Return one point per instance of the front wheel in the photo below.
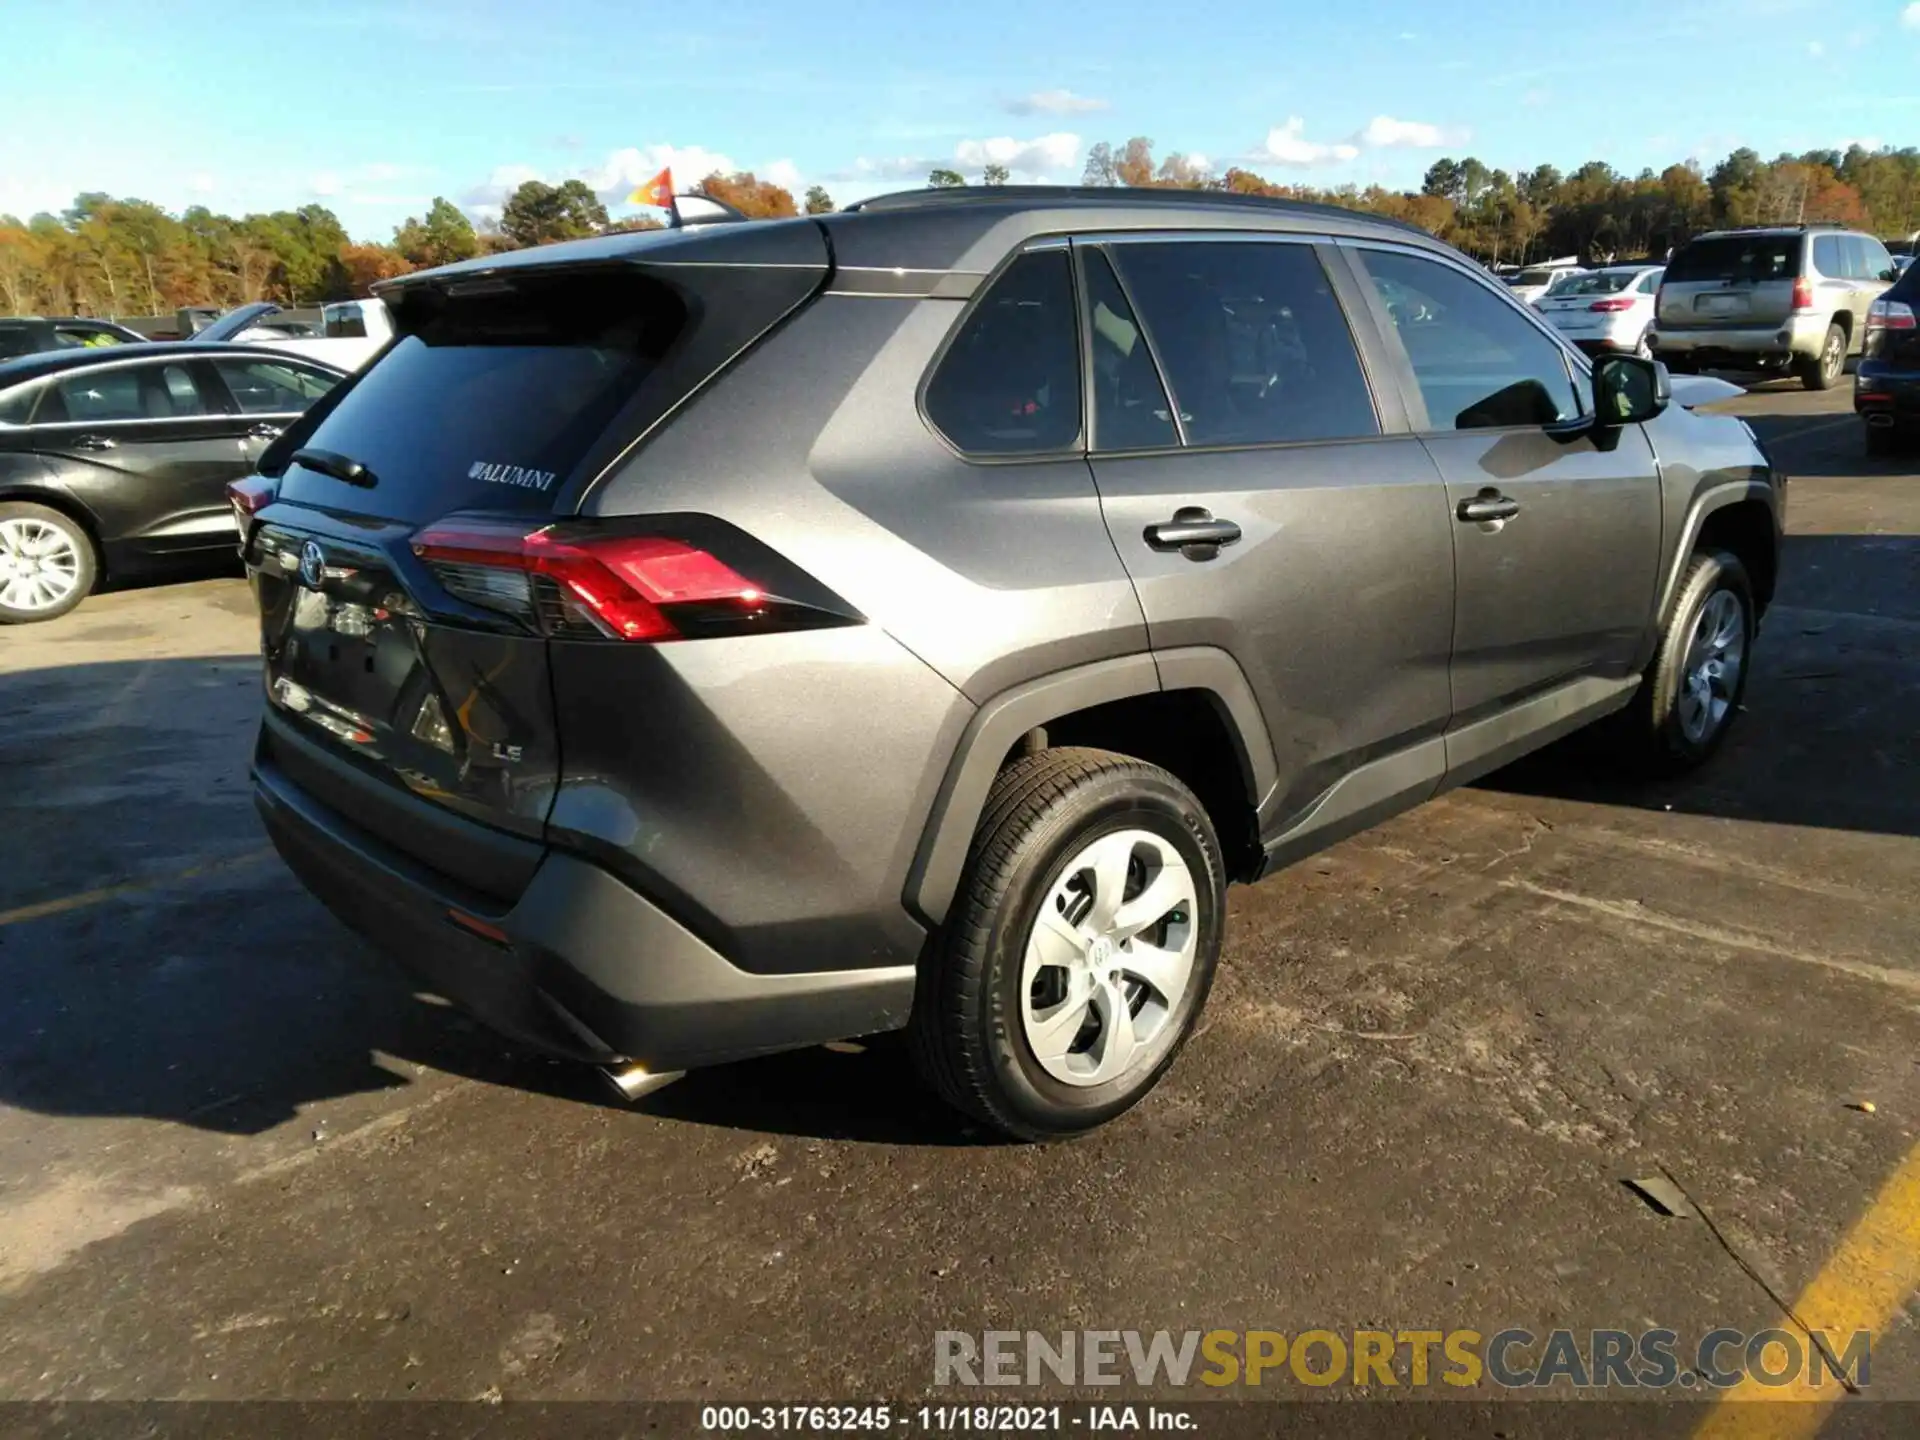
(1692, 691)
(47, 563)
(1080, 949)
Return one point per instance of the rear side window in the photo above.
(17, 404)
(1255, 346)
(493, 397)
(1130, 407)
(1876, 263)
(1830, 256)
(1009, 383)
(1479, 363)
(1736, 257)
(272, 387)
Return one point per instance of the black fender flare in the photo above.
(934, 876)
(1715, 497)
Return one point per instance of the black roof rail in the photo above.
(1038, 195)
(1779, 226)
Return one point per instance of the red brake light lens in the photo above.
(1803, 294)
(249, 495)
(622, 587)
(1890, 315)
(1618, 302)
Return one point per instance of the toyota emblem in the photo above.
(313, 564)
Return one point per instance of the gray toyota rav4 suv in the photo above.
(690, 645)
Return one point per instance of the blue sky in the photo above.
(374, 106)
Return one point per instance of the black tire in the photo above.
(86, 563)
(1823, 371)
(967, 1035)
(1649, 735)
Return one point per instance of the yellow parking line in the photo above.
(41, 909)
(1865, 1284)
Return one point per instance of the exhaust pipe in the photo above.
(1880, 420)
(636, 1082)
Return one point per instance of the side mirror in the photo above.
(1628, 390)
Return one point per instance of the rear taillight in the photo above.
(1618, 302)
(1803, 294)
(249, 496)
(1889, 315)
(581, 584)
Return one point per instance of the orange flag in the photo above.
(657, 191)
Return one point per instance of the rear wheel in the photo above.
(47, 564)
(1692, 691)
(1080, 948)
(1643, 347)
(1822, 371)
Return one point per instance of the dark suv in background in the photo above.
(1790, 297)
(685, 646)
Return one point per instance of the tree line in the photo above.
(1595, 213)
(105, 256)
(108, 256)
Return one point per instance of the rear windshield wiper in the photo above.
(340, 467)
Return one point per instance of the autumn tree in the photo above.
(539, 214)
(819, 202)
(441, 237)
(364, 266)
(754, 198)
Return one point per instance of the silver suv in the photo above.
(688, 645)
(1789, 296)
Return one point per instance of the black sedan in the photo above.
(31, 334)
(1886, 384)
(114, 462)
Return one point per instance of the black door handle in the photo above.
(1193, 532)
(93, 442)
(1488, 505)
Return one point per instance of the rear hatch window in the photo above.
(493, 396)
(1736, 259)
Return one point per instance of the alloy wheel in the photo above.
(1710, 678)
(39, 564)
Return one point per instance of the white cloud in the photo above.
(785, 174)
(487, 197)
(1408, 35)
(1535, 98)
(1910, 17)
(202, 184)
(894, 167)
(1027, 159)
(617, 176)
(1384, 132)
(1287, 145)
(324, 184)
(1054, 102)
(1816, 49)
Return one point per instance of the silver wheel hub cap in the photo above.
(1711, 674)
(1109, 957)
(39, 566)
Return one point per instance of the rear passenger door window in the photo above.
(1477, 361)
(1830, 258)
(1009, 383)
(124, 392)
(1254, 346)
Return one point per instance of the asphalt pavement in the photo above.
(240, 1157)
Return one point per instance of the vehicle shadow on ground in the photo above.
(213, 991)
(1826, 738)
